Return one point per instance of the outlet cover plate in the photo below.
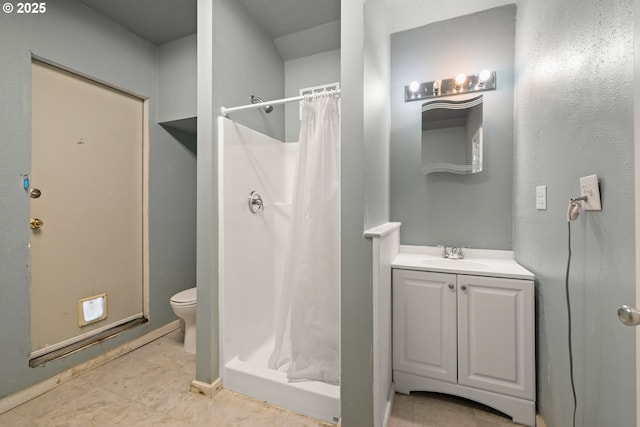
(541, 197)
(589, 187)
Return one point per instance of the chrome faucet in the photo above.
(451, 253)
(456, 253)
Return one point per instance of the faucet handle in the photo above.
(460, 254)
(445, 254)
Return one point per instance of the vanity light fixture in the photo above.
(462, 83)
(460, 79)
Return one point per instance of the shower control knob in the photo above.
(256, 204)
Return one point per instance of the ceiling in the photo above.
(282, 17)
(158, 21)
(161, 21)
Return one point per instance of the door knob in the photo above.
(36, 223)
(629, 315)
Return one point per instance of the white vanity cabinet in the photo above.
(425, 325)
(466, 335)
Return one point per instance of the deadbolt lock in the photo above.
(35, 193)
(36, 223)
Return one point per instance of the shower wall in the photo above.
(251, 244)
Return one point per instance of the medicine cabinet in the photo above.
(452, 136)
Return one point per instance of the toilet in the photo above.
(184, 306)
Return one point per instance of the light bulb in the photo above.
(414, 86)
(460, 78)
(484, 75)
(436, 87)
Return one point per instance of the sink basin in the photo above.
(454, 264)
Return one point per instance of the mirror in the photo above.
(452, 136)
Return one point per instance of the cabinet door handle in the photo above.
(451, 286)
(463, 287)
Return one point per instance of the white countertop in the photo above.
(476, 262)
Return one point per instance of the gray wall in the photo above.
(246, 63)
(308, 71)
(407, 14)
(80, 39)
(235, 60)
(568, 126)
(363, 31)
(207, 331)
(177, 78)
(377, 117)
(445, 208)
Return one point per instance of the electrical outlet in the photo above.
(541, 197)
(589, 187)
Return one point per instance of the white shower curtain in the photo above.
(308, 323)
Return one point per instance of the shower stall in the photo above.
(256, 185)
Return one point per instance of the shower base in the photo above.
(252, 377)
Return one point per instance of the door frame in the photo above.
(636, 145)
(145, 171)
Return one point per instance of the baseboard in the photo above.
(389, 406)
(42, 387)
(206, 389)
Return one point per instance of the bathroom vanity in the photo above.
(465, 327)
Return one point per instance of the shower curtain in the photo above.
(308, 317)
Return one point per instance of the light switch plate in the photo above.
(589, 187)
(541, 197)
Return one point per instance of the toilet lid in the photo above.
(187, 296)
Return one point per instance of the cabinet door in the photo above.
(496, 335)
(424, 324)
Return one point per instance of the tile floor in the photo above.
(150, 387)
(438, 410)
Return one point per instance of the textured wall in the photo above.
(74, 36)
(574, 117)
(445, 208)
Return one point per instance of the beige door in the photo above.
(87, 164)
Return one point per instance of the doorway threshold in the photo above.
(86, 342)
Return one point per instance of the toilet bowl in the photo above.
(184, 306)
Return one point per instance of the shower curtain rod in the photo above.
(224, 111)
